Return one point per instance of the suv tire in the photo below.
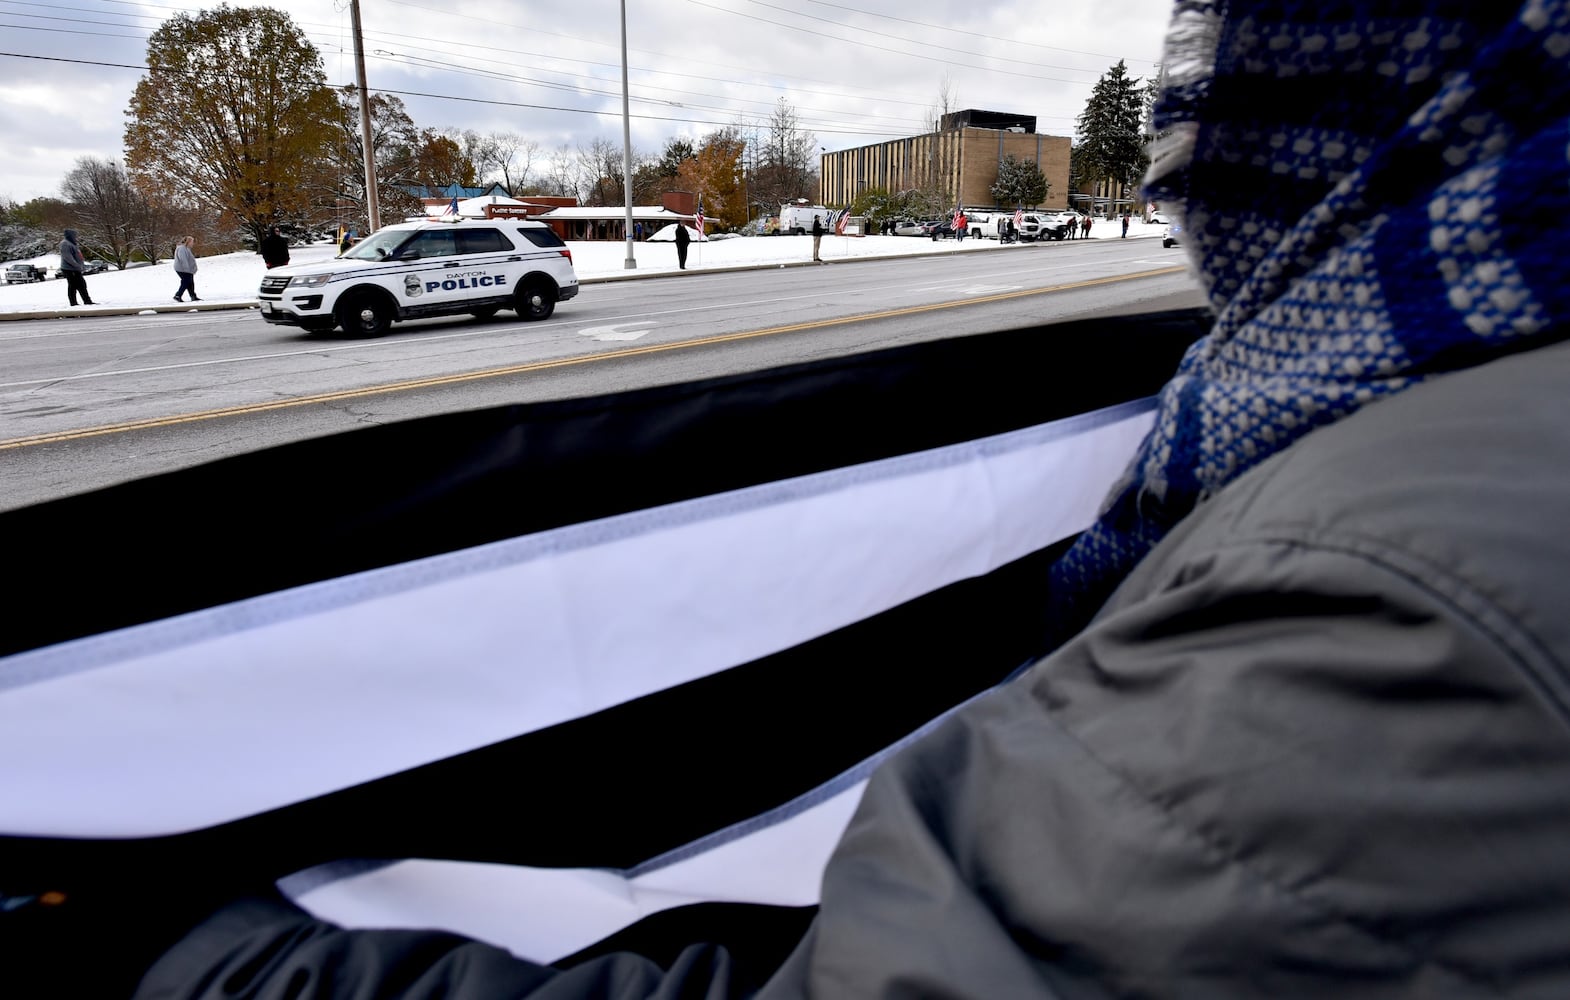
(536, 299)
(365, 314)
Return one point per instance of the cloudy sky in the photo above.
(856, 71)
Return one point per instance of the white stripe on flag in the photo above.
(545, 914)
(225, 713)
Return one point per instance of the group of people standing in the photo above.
(274, 248)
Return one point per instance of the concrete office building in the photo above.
(961, 158)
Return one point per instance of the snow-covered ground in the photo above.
(233, 278)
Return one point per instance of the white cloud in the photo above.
(857, 71)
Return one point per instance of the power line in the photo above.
(466, 100)
(883, 48)
(902, 38)
(974, 34)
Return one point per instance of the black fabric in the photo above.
(619, 787)
(328, 507)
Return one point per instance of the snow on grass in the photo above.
(233, 278)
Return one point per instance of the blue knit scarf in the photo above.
(1370, 197)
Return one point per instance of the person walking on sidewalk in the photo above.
(185, 267)
(71, 265)
(1084, 228)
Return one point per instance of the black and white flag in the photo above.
(562, 674)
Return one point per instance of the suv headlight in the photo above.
(310, 281)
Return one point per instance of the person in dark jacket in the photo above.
(817, 238)
(1306, 731)
(275, 249)
(683, 237)
(71, 265)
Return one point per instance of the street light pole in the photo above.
(626, 144)
(372, 207)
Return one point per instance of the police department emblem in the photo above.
(412, 286)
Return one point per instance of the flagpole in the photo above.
(631, 262)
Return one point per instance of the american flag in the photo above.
(839, 222)
(452, 207)
(1019, 217)
(697, 220)
(954, 222)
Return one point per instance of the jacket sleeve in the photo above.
(1283, 772)
(264, 949)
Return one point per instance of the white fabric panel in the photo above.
(545, 914)
(224, 713)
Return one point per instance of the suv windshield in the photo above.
(385, 241)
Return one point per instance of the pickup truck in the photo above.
(18, 274)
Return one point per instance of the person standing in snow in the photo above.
(683, 237)
(275, 249)
(71, 265)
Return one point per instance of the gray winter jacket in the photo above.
(184, 260)
(70, 253)
(1316, 745)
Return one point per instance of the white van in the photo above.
(796, 219)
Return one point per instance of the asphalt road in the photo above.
(92, 401)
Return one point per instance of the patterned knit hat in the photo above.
(1370, 197)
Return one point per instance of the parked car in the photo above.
(93, 267)
(1172, 235)
(18, 274)
(941, 229)
(910, 227)
(1058, 224)
(1046, 225)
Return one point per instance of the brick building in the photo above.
(961, 157)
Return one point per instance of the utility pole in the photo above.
(372, 202)
(631, 264)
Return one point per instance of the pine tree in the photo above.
(1020, 183)
(234, 112)
(1112, 131)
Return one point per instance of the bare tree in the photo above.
(559, 177)
(599, 172)
(511, 156)
(787, 163)
(110, 211)
(945, 103)
(394, 139)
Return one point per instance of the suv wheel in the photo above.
(536, 299)
(365, 314)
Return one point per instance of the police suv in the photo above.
(425, 268)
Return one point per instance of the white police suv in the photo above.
(425, 268)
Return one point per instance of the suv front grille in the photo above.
(275, 284)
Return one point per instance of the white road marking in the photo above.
(989, 289)
(616, 331)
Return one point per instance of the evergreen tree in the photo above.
(1112, 130)
(234, 112)
(1020, 183)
